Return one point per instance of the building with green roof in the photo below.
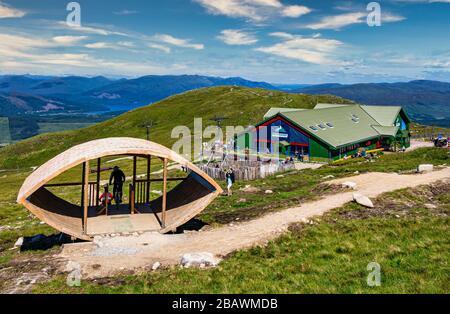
(329, 131)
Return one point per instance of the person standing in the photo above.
(230, 177)
(117, 178)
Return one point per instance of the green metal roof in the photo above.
(384, 115)
(386, 130)
(326, 106)
(338, 126)
(274, 111)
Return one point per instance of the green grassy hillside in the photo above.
(242, 106)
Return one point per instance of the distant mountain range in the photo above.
(427, 102)
(25, 94)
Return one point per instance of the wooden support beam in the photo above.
(132, 199)
(85, 195)
(106, 199)
(97, 195)
(161, 180)
(164, 200)
(83, 180)
(134, 170)
(147, 192)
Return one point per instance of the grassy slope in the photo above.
(243, 106)
(331, 255)
(296, 187)
(303, 261)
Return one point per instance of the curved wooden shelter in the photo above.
(164, 214)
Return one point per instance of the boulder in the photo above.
(430, 206)
(269, 192)
(198, 259)
(363, 200)
(250, 189)
(328, 177)
(19, 242)
(425, 168)
(349, 185)
(156, 266)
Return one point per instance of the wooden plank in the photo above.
(132, 198)
(49, 212)
(161, 180)
(83, 178)
(85, 195)
(134, 170)
(147, 192)
(106, 199)
(52, 185)
(97, 202)
(164, 200)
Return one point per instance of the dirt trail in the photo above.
(111, 255)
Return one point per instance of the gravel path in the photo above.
(138, 252)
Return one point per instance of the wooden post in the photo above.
(164, 200)
(83, 179)
(147, 192)
(134, 170)
(106, 199)
(85, 195)
(132, 200)
(97, 202)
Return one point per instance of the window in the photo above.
(355, 118)
(330, 125)
(312, 127)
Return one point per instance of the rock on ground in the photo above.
(250, 189)
(363, 200)
(156, 266)
(349, 185)
(199, 259)
(425, 168)
(19, 242)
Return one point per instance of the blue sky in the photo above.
(279, 41)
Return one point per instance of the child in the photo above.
(230, 181)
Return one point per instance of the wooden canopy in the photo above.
(164, 214)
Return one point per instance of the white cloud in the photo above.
(125, 12)
(22, 54)
(308, 49)
(159, 47)
(282, 35)
(253, 10)
(127, 44)
(8, 12)
(237, 37)
(105, 45)
(295, 11)
(89, 29)
(339, 21)
(184, 43)
(100, 45)
(390, 18)
(231, 8)
(68, 40)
